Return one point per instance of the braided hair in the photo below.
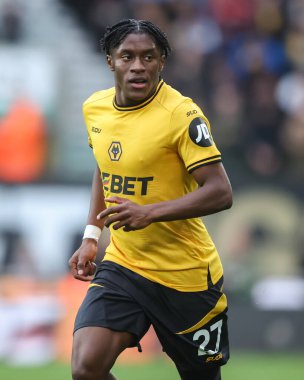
(114, 35)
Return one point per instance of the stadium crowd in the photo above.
(243, 62)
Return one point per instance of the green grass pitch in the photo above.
(247, 366)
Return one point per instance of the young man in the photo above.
(158, 171)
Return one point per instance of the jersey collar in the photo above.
(141, 105)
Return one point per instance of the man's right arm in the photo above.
(97, 200)
(82, 262)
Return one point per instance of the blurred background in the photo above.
(242, 61)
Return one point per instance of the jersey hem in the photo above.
(197, 288)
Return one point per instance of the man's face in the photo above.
(137, 63)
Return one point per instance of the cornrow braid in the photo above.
(114, 35)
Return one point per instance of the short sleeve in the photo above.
(191, 135)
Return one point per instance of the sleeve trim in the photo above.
(194, 164)
(205, 164)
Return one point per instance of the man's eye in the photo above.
(126, 57)
(148, 57)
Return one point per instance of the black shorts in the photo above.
(191, 326)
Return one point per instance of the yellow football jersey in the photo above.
(146, 153)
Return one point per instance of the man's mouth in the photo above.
(138, 82)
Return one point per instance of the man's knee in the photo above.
(85, 372)
(95, 350)
(82, 373)
(86, 366)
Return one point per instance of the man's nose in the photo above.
(137, 65)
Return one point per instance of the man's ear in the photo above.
(110, 62)
(162, 63)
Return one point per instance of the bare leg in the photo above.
(95, 350)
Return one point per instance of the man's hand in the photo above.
(126, 214)
(82, 262)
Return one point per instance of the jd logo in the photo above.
(115, 151)
(199, 132)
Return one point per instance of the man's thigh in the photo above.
(111, 307)
(192, 328)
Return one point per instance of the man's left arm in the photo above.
(214, 194)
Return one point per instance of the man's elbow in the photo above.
(228, 202)
(226, 198)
